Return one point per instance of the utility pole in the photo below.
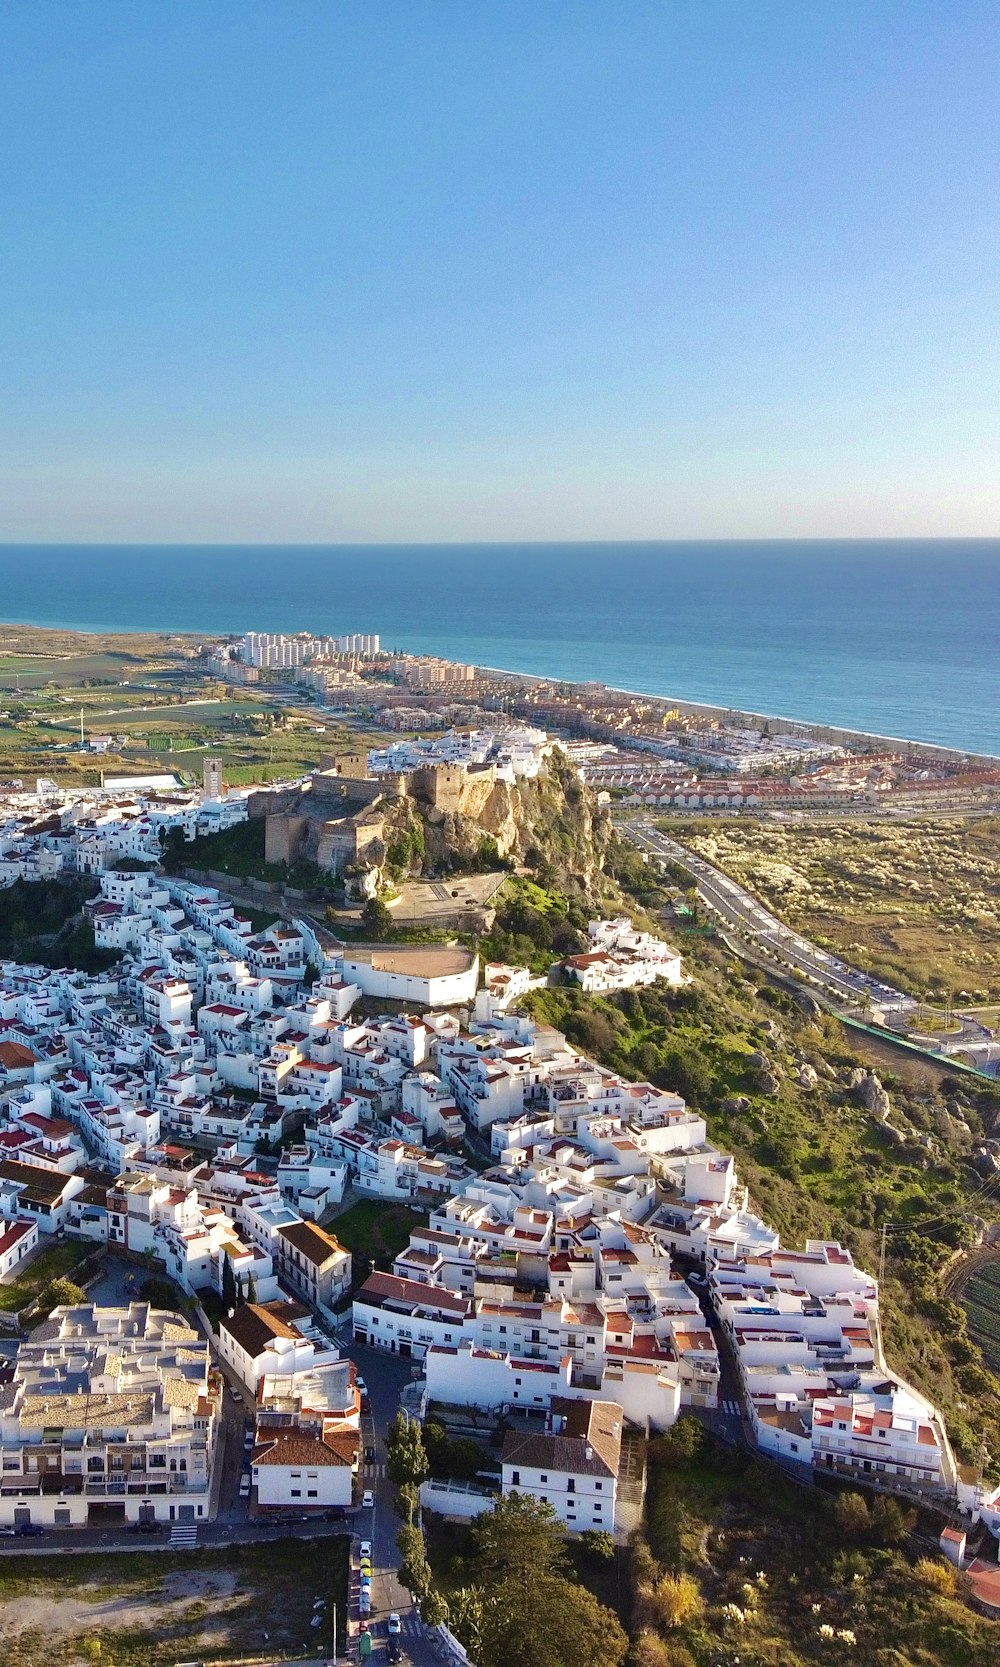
(881, 1255)
(83, 742)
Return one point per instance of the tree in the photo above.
(520, 1539)
(851, 1516)
(466, 1617)
(598, 1544)
(376, 919)
(408, 1503)
(228, 1284)
(576, 1629)
(433, 1608)
(407, 1456)
(61, 1293)
(251, 1288)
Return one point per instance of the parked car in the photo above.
(393, 1651)
(365, 1549)
(395, 1625)
(30, 1530)
(245, 1481)
(7, 1533)
(148, 1525)
(362, 1386)
(368, 1500)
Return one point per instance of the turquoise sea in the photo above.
(897, 637)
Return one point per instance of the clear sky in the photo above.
(447, 269)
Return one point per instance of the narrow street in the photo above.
(385, 1376)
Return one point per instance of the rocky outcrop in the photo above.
(871, 1094)
(807, 1076)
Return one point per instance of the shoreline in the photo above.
(789, 726)
(738, 717)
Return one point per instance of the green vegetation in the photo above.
(512, 1586)
(375, 1232)
(239, 851)
(406, 1453)
(914, 902)
(740, 1561)
(40, 921)
(774, 1083)
(535, 925)
(981, 1301)
(44, 1282)
(142, 1609)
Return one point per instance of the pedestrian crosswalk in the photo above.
(374, 1470)
(184, 1534)
(731, 1408)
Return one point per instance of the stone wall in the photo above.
(284, 838)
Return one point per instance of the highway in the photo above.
(740, 910)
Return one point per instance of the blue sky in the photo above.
(447, 269)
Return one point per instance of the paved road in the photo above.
(385, 1376)
(739, 909)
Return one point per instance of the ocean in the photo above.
(896, 637)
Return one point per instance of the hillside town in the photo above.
(586, 1266)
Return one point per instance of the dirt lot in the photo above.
(129, 1609)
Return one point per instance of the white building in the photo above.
(109, 1415)
(574, 1467)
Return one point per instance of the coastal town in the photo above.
(579, 1268)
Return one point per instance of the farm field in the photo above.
(144, 1609)
(981, 1301)
(915, 902)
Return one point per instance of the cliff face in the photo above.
(548, 823)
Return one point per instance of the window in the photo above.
(311, 1493)
(598, 1486)
(296, 1493)
(516, 1479)
(543, 1478)
(571, 1486)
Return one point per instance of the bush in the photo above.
(937, 1576)
(674, 1601)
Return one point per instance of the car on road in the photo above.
(361, 1384)
(148, 1525)
(370, 1455)
(234, 1393)
(7, 1533)
(393, 1651)
(395, 1625)
(245, 1485)
(30, 1530)
(367, 1500)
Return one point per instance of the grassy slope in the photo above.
(783, 1557)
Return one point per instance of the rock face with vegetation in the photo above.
(548, 823)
